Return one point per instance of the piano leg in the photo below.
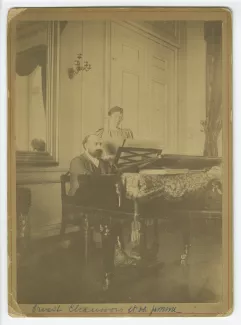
(138, 233)
(86, 237)
(155, 246)
(186, 239)
(143, 239)
(146, 256)
(149, 256)
(108, 235)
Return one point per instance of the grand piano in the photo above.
(147, 185)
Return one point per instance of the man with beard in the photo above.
(92, 183)
(89, 163)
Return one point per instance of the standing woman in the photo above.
(113, 136)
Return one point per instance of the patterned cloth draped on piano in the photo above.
(173, 187)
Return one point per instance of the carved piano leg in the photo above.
(24, 235)
(186, 240)
(137, 233)
(86, 238)
(23, 203)
(64, 222)
(139, 237)
(143, 240)
(108, 249)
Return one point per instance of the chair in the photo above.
(66, 205)
(72, 214)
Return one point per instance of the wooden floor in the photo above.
(56, 274)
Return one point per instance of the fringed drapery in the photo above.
(213, 123)
(27, 61)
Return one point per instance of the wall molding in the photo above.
(39, 176)
(150, 33)
(107, 70)
(182, 89)
(81, 81)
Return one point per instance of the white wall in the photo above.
(81, 108)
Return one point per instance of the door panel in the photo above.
(162, 95)
(130, 98)
(143, 83)
(127, 75)
(158, 109)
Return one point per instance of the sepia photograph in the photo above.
(120, 162)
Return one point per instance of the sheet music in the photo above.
(143, 143)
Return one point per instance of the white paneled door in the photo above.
(143, 82)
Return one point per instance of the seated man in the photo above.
(92, 183)
(92, 187)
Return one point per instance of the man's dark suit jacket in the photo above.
(91, 185)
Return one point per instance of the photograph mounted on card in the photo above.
(120, 155)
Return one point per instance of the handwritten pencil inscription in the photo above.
(81, 309)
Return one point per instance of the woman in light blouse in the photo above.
(112, 137)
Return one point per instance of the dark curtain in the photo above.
(213, 123)
(28, 60)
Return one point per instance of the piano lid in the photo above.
(187, 162)
(135, 155)
(138, 151)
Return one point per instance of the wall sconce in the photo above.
(77, 67)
